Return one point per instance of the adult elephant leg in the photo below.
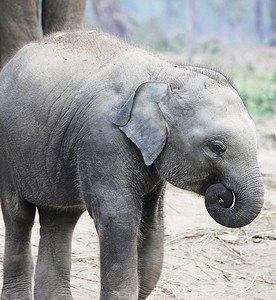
(52, 275)
(150, 246)
(18, 264)
(18, 26)
(62, 14)
(117, 221)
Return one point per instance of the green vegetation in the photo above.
(257, 88)
(258, 92)
(151, 36)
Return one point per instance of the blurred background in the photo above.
(236, 36)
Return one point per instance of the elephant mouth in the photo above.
(218, 193)
(208, 182)
(215, 191)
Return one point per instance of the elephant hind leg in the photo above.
(19, 25)
(18, 264)
(62, 15)
(52, 275)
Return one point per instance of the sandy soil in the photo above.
(203, 260)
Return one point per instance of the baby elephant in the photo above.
(90, 122)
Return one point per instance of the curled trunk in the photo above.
(235, 207)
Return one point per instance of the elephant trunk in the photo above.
(235, 208)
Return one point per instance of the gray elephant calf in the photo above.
(90, 122)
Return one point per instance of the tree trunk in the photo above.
(259, 19)
(190, 29)
(109, 17)
(273, 23)
(224, 27)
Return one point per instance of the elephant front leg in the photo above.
(151, 243)
(118, 233)
(52, 275)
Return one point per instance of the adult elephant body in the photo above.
(90, 122)
(19, 21)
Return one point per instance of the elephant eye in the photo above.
(217, 147)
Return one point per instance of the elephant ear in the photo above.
(142, 121)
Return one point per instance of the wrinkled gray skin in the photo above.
(90, 122)
(19, 21)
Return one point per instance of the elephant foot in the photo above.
(15, 298)
(9, 295)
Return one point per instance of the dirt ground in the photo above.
(203, 260)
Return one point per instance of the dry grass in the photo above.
(201, 244)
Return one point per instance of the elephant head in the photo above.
(197, 133)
